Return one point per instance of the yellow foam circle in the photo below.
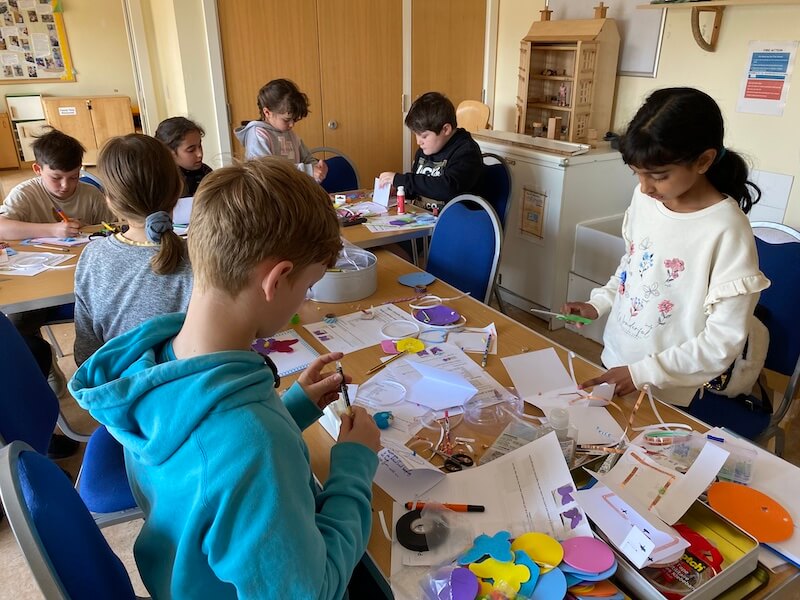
(410, 345)
(543, 550)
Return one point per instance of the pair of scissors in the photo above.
(567, 318)
(455, 462)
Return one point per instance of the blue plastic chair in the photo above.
(497, 184)
(87, 177)
(68, 555)
(29, 411)
(465, 246)
(342, 175)
(778, 256)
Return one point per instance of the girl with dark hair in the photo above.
(184, 138)
(681, 301)
(280, 106)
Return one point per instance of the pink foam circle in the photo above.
(587, 554)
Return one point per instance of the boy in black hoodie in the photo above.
(448, 162)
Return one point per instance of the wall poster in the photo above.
(531, 222)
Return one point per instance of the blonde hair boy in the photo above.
(215, 457)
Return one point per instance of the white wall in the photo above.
(97, 41)
(771, 143)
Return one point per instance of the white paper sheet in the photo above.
(595, 425)
(439, 389)
(667, 494)
(353, 332)
(28, 264)
(182, 212)
(473, 339)
(66, 242)
(616, 519)
(380, 195)
(528, 489)
(537, 373)
(331, 419)
(299, 358)
(383, 224)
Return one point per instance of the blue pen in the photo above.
(714, 438)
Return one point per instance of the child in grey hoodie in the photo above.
(281, 104)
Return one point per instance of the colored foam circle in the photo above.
(551, 585)
(756, 513)
(543, 550)
(587, 554)
(581, 576)
(412, 345)
(415, 279)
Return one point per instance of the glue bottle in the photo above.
(401, 200)
(559, 422)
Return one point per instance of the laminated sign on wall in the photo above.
(532, 218)
(765, 84)
(33, 42)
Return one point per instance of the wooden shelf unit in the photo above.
(578, 54)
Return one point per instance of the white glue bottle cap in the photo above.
(559, 421)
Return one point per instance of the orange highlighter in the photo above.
(453, 507)
(62, 214)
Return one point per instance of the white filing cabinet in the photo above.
(550, 195)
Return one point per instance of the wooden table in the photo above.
(51, 288)
(513, 338)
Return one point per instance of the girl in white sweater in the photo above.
(682, 298)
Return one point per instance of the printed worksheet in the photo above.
(357, 330)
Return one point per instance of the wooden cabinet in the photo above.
(8, 147)
(347, 57)
(568, 69)
(90, 120)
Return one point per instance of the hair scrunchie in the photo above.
(156, 225)
(721, 154)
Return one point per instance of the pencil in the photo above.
(46, 247)
(384, 363)
(486, 350)
(455, 507)
(62, 215)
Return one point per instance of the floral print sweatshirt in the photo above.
(682, 296)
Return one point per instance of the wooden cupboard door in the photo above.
(268, 40)
(362, 82)
(111, 116)
(71, 116)
(9, 159)
(447, 46)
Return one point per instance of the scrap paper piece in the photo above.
(353, 332)
(394, 223)
(287, 350)
(404, 474)
(66, 242)
(473, 339)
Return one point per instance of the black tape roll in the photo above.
(414, 535)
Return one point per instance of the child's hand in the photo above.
(320, 171)
(322, 388)
(619, 376)
(64, 230)
(359, 427)
(583, 309)
(385, 178)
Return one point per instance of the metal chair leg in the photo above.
(53, 341)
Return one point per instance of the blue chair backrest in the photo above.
(82, 561)
(342, 175)
(465, 246)
(497, 186)
(111, 492)
(779, 262)
(28, 407)
(87, 177)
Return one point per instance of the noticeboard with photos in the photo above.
(33, 42)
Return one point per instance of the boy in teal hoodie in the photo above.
(215, 457)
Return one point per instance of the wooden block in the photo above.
(554, 128)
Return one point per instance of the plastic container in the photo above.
(353, 277)
(558, 419)
(401, 200)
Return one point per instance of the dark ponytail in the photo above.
(675, 126)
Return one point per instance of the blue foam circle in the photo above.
(414, 279)
(551, 585)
